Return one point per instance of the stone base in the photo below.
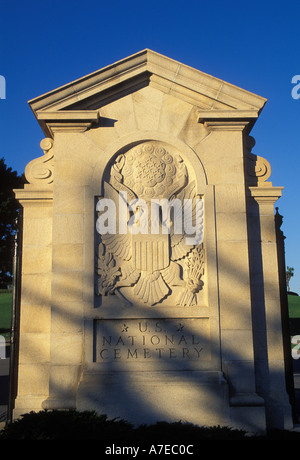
(26, 404)
(249, 419)
(279, 416)
(196, 397)
(59, 404)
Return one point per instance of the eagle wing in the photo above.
(118, 244)
(179, 246)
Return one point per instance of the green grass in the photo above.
(294, 306)
(5, 313)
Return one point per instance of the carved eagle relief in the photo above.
(151, 255)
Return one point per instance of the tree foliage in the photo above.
(289, 275)
(9, 209)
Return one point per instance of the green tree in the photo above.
(9, 208)
(289, 274)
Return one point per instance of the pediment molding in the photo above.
(78, 104)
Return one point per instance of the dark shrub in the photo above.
(89, 425)
(65, 425)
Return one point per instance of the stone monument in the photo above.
(149, 265)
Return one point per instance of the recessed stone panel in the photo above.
(178, 340)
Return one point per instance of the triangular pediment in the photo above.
(81, 100)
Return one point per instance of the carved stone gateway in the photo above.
(149, 274)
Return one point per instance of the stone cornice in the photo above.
(229, 120)
(219, 115)
(33, 195)
(265, 194)
(67, 120)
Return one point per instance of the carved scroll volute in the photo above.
(40, 170)
(258, 169)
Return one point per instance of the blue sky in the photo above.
(254, 45)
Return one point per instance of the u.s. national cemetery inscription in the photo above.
(143, 340)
